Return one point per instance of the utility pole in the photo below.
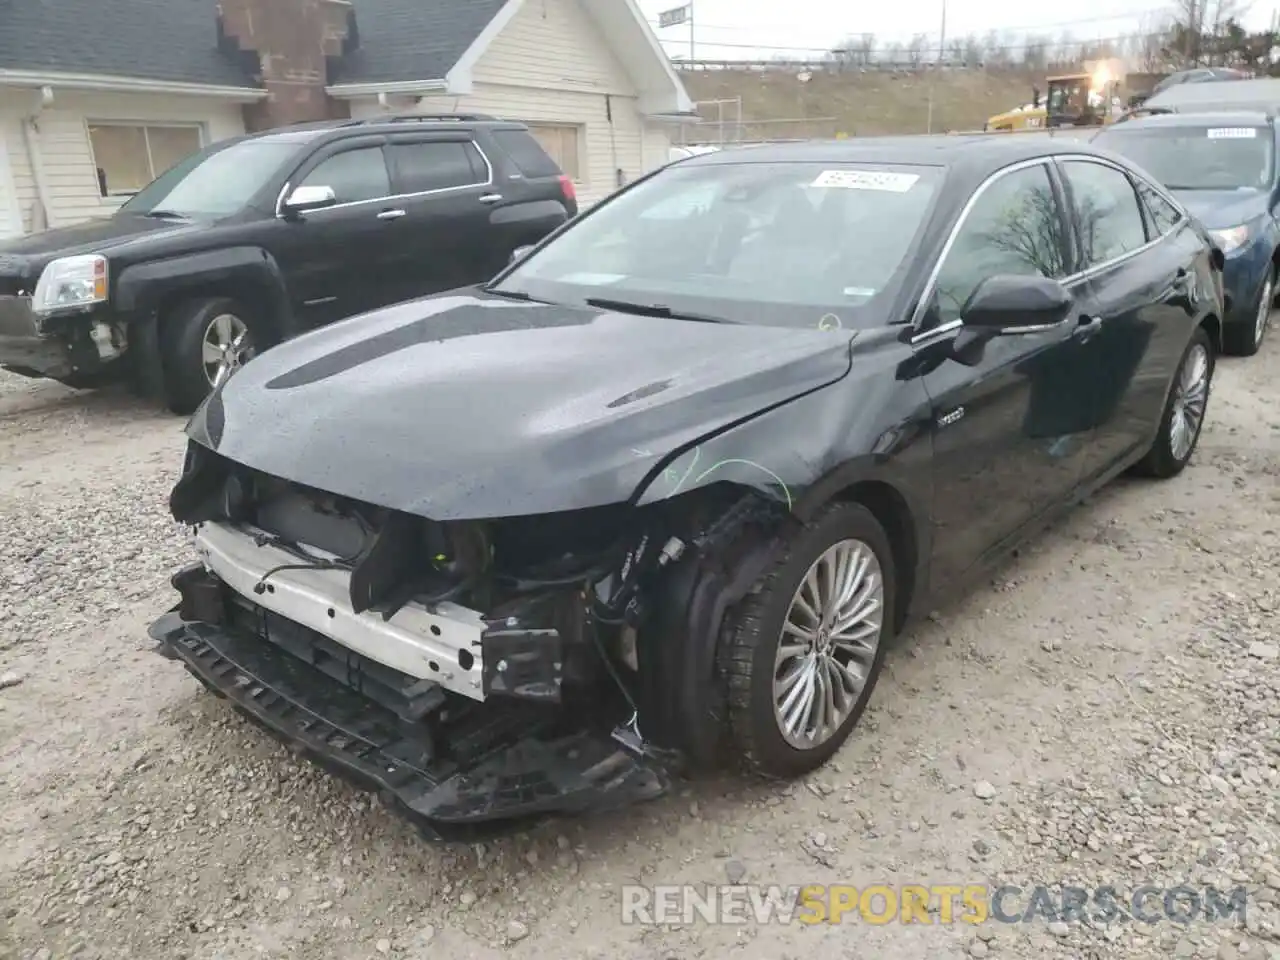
(937, 67)
(691, 50)
(1190, 31)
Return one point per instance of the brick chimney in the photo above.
(287, 45)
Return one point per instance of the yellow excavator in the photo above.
(1071, 100)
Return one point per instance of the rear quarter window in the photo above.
(526, 153)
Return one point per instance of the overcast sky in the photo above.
(743, 29)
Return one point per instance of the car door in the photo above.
(447, 194)
(1141, 281)
(337, 260)
(1007, 429)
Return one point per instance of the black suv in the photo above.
(258, 238)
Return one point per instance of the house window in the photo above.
(562, 144)
(129, 156)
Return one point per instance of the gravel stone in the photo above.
(144, 819)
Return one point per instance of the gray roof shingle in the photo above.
(411, 39)
(173, 40)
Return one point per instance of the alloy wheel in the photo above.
(828, 644)
(1264, 310)
(1190, 394)
(227, 346)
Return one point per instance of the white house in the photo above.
(90, 114)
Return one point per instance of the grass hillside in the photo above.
(861, 103)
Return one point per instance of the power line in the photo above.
(998, 48)
(1028, 28)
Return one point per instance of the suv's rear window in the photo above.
(526, 153)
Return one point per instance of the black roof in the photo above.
(177, 40)
(173, 40)
(412, 39)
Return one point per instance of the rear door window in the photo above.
(1111, 223)
(1164, 215)
(437, 165)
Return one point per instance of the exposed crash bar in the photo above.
(423, 644)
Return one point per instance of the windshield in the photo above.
(216, 182)
(786, 244)
(1067, 97)
(1198, 158)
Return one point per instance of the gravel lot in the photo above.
(1106, 711)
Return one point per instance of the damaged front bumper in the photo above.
(505, 764)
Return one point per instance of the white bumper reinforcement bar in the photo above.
(426, 644)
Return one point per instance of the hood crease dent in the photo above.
(469, 406)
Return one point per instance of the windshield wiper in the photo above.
(513, 295)
(165, 215)
(652, 310)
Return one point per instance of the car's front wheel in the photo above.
(204, 342)
(1184, 411)
(1244, 339)
(802, 653)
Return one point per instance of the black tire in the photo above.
(1242, 338)
(753, 631)
(1160, 461)
(182, 333)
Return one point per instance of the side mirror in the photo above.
(305, 199)
(1016, 304)
(519, 253)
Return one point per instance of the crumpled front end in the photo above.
(472, 672)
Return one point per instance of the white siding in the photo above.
(70, 174)
(10, 218)
(553, 45)
(551, 65)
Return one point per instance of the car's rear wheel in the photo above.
(204, 342)
(802, 653)
(1245, 338)
(1184, 411)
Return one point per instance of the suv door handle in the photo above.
(491, 198)
(391, 215)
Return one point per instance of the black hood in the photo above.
(1223, 209)
(105, 236)
(467, 406)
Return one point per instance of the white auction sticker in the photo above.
(1233, 133)
(867, 180)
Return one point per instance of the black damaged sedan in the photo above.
(657, 497)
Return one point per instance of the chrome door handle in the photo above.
(491, 198)
(1086, 326)
(391, 215)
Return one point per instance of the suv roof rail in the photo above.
(424, 117)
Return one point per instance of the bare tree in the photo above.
(856, 50)
(991, 51)
(1152, 41)
(1067, 49)
(893, 54)
(866, 47)
(916, 48)
(1035, 52)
